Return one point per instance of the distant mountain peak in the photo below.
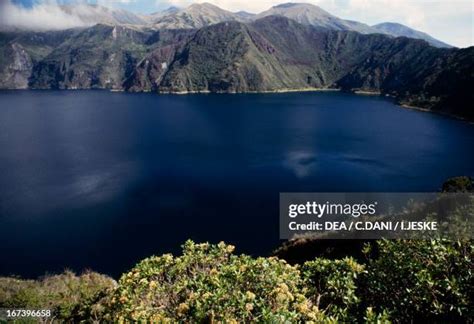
(287, 5)
(309, 14)
(246, 16)
(243, 12)
(204, 5)
(296, 5)
(197, 15)
(398, 30)
(171, 9)
(391, 23)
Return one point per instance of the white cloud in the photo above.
(45, 16)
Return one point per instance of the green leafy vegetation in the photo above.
(332, 286)
(426, 280)
(459, 184)
(69, 296)
(399, 281)
(208, 283)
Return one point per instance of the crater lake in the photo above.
(99, 180)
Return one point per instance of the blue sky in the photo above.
(450, 21)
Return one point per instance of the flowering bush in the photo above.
(210, 284)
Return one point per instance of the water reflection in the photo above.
(301, 163)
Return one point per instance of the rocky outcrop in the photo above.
(16, 72)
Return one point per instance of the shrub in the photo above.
(458, 184)
(208, 284)
(372, 317)
(332, 286)
(421, 280)
(67, 295)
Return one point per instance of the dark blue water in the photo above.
(101, 180)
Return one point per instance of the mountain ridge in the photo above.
(197, 15)
(268, 54)
(200, 15)
(309, 14)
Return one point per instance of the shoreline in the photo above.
(414, 107)
(367, 93)
(285, 90)
(426, 110)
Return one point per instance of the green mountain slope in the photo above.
(271, 54)
(98, 57)
(149, 72)
(418, 75)
(20, 51)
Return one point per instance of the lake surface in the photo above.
(100, 180)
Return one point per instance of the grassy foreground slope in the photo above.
(399, 281)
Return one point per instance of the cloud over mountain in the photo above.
(44, 16)
(50, 15)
